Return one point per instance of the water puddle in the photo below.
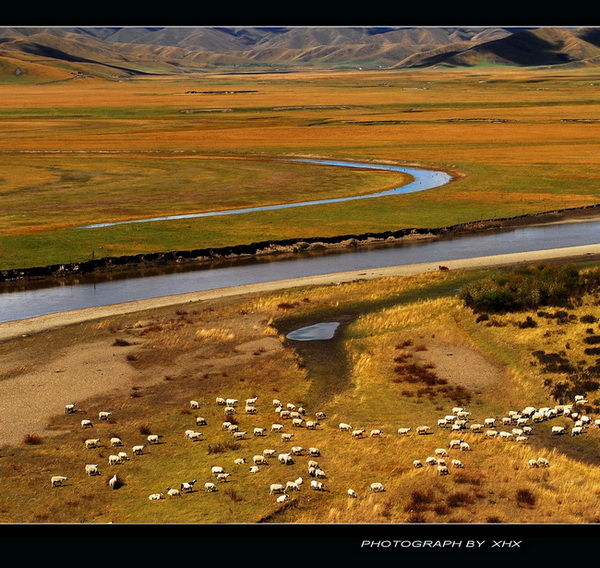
(319, 331)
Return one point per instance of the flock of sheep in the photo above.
(514, 426)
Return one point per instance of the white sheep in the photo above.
(58, 480)
(423, 430)
(104, 415)
(441, 461)
(290, 406)
(210, 487)
(543, 462)
(489, 422)
(283, 498)
(441, 452)
(226, 425)
(200, 421)
(464, 447)
(194, 436)
(233, 428)
(254, 469)
(69, 408)
(251, 401)
(114, 460)
(259, 431)
(86, 424)
(92, 443)
(223, 477)
(276, 402)
(155, 496)
(154, 438)
(138, 450)
(320, 415)
(351, 493)
(115, 442)
(297, 450)
(403, 431)
(239, 435)
(505, 436)
(522, 439)
(417, 464)
(457, 463)
(298, 422)
(216, 469)
(455, 444)
(457, 409)
(442, 423)
(239, 461)
(314, 452)
(533, 463)
(285, 459)
(276, 427)
(313, 463)
(123, 456)
(442, 470)
(269, 453)
(311, 425)
(229, 410)
(320, 474)
(376, 433)
(491, 434)
(171, 492)
(292, 486)
(431, 460)
(251, 409)
(358, 433)
(259, 460)
(276, 488)
(345, 427)
(476, 428)
(231, 401)
(220, 401)
(576, 431)
(286, 436)
(194, 404)
(376, 487)
(317, 485)
(92, 469)
(113, 481)
(188, 486)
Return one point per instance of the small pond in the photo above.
(324, 330)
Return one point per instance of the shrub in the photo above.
(121, 342)
(588, 318)
(529, 322)
(221, 447)
(525, 498)
(32, 439)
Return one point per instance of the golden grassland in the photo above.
(236, 347)
(518, 141)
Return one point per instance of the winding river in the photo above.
(46, 300)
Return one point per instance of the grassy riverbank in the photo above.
(407, 353)
(519, 141)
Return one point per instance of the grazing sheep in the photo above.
(69, 408)
(92, 443)
(314, 452)
(295, 414)
(114, 460)
(138, 450)
(320, 415)
(375, 433)
(155, 496)
(259, 431)
(123, 456)
(216, 469)
(283, 498)
(221, 401)
(194, 404)
(223, 477)
(268, 453)
(505, 436)
(417, 464)
(345, 427)
(576, 431)
(455, 444)
(58, 480)
(276, 402)
(299, 481)
(476, 428)
(376, 487)
(457, 463)
(489, 422)
(276, 427)
(239, 435)
(506, 421)
(543, 462)
(86, 424)
(358, 433)
(104, 415)
(522, 439)
(442, 423)
(297, 450)
(441, 461)
(286, 437)
(200, 421)
(457, 409)
(351, 493)
(285, 459)
(187, 486)
(527, 430)
(113, 481)
(194, 436)
(251, 401)
(92, 469)
(290, 406)
(320, 474)
(239, 461)
(317, 485)
(442, 470)
(403, 431)
(517, 431)
(298, 422)
(313, 463)
(491, 433)
(226, 425)
(259, 460)
(233, 428)
(423, 430)
(533, 463)
(251, 410)
(276, 488)
(210, 487)
(231, 401)
(464, 447)
(292, 486)
(171, 492)
(254, 469)
(441, 452)
(115, 442)
(311, 425)
(229, 410)
(154, 438)
(431, 461)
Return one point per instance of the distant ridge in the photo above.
(118, 52)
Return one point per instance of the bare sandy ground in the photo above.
(29, 399)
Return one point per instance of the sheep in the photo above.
(558, 430)
(457, 463)
(375, 433)
(441, 462)
(457, 409)
(522, 439)
(104, 415)
(543, 462)
(476, 428)
(259, 460)
(527, 430)
(210, 487)
(442, 470)
(239, 461)
(455, 444)
(314, 452)
(221, 401)
(86, 424)
(171, 492)
(301, 411)
(155, 496)
(295, 414)
(92, 469)
(283, 498)
(298, 422)
(239, 435)
(311, 425)
(533, 463)
(251, 401)
(351, 493)
(417, 464)
(311, 471)
(194, 436)
(345, 427)
(229, 410)
(358, 433)
(463, 414)
(464, 447)
(200, 421)
(319, 473)
(194, 404)
(441, 452)
(233, 428)
(114, 460)
(138, 450)
(290, 406)
(505, 436)
(403, 431)
(251, 410)
(292, 486)
(297, 450)
(313, 463)
(576, 431)
(317, 485)
(188, 486)
(286, 437)
(123, 456)
(113, 481)
(299, 481)
(69, 408)
(276, 402)
(223, 477)
(449, 418)
(259, 431)
(431, 461)
(491, 433)
(489, 422)
(58, 480)
(253, 469)
(92, 443)
(225, 425)
(442, 423)
(115, 442)
(154, 438)
(423, 430)
(276, 427)
(216, 469)
(376, 487)
(231, 401)
(285, 459)
(506, 421)
(579, 397)
(457, 426)
(269, 453)
(276, 488)
(320, 415)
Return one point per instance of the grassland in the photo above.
(518, 141)
(408, 352)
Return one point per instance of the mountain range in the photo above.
(59, 53)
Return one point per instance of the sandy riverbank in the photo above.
(13, 329)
